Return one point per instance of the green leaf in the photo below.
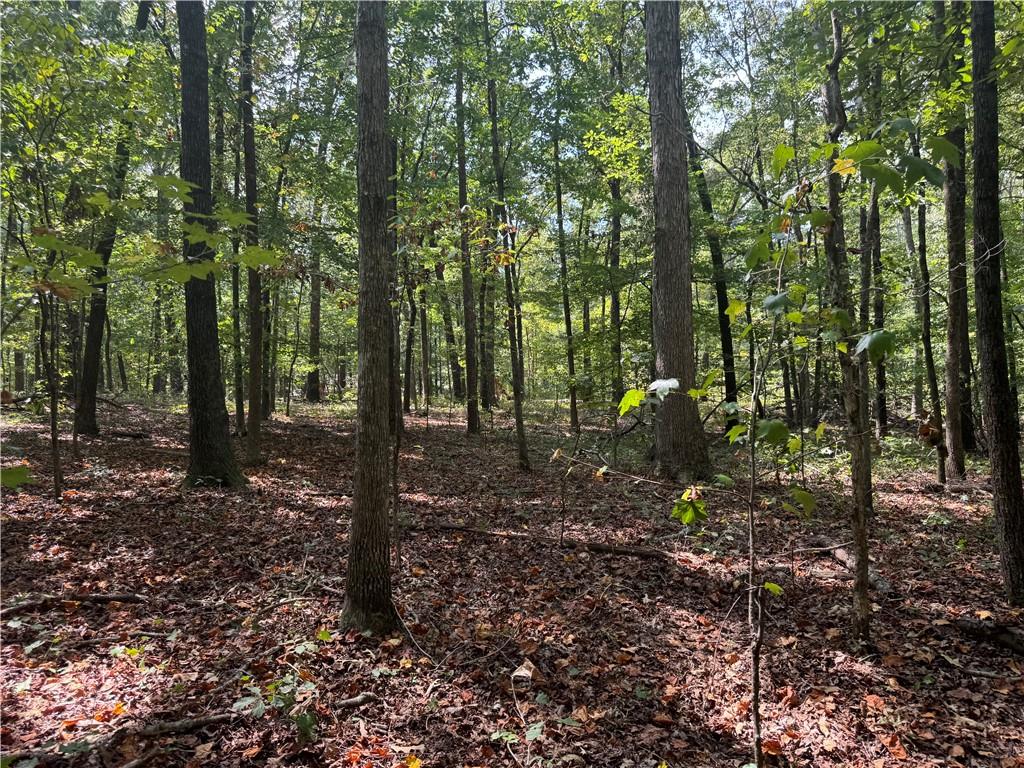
(724, 481)
(772, 431)
(862, 150)
(758, 253)
(688, 509)
(917, 168)
(941, 149)
(805, 499)
(772, 587)
(902, 125)
(172, 186)
(632, 399)
(819, 431)
(736, 308)
(324, 635)
(12, 477)
(255, 256)
(884, 176)
(878, 344)
(819, 218)
(780, 157)
(736, 433)
(306, 725)
(535, 731)
(776, 303)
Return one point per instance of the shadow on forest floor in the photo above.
(636, 661)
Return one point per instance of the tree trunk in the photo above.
(254, 293)
(501, 223)
(424, 344)
(924, 305)
(959, 409)
(19, 370)
(211, 458)
(47, 347)
(679, 434)
(1000, 416)
(457, 387)
(878, 311)
(468, 293)
(857, 437)
(368, 603)
(563, 268)
(718, 269)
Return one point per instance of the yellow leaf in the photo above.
(844, 166)
(405, 663)
(411, 761)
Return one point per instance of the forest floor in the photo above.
(519, 651)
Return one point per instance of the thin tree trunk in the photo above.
(718, 269)
(501, 222)
(46, 349)
(468, 294)
(255, 292)
(455, 368)
(924, 305)
(563, 268)
(839, 297)
(424, 344)
(1000, 413)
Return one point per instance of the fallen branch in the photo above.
(998, 634)
(590, 546)
(47, 601)
(106, 743)
(844, 557)
(356, 701)
(182, 726)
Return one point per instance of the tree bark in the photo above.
(468, 292)
(924, 308)
(679, 435)
(458, 388)
(211, 458)
(1000, 416)
(843, 310)
(501, 223)
(563, 268)
(718, 269)
(368, 604)
(959, 408)
(254, 293)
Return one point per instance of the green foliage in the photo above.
(689, 508)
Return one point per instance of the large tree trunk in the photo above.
(679, 434)
(254, 293)
(501, 222)
(368, 603)
(1000, 413)
(857, 437)
(211, 458)
(468, 293)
